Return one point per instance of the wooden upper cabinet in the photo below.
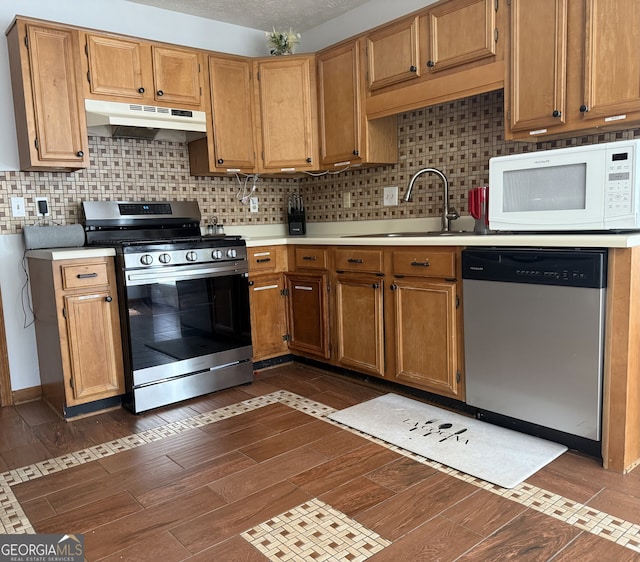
(125, 69)
(538, 65)
(393, 54)
(612, 59)
(339, 104)
(231, 111)
(177, 75)
(461, 32)
(287, 112)
(50, 119)
(116, 67)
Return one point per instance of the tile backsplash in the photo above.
(457, 137)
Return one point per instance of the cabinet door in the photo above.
(426, 335)
(268, 316)
(359, 305)
(339, 103)
(538, 64)
(93, 339)
(308, 313)
(232, 112)
(177, 77)
(116, 67)
(50, 120)
(287, 111)
(392, 54)
(461, 31)
(612, 71)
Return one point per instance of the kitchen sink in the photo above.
(429, 234)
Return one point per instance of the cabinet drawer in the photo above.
(425, 262)
(85, 275)
(311, 258)
(264, 258)
(358, 259)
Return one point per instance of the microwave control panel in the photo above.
(619, 181)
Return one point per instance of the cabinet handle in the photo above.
(375, 286)
(556, 113)
(141, 90)
(583, 108)
(413, 68)
(86, 275)
(80, 153)
(309, 160)
(355, 260)
(420, 264)
(220, 161)
(310, 258)
(263, 260)
(160, 93)
(108, 299)
(430, 63)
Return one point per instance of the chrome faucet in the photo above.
(449, 213)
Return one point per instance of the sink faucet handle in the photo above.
(452, 213)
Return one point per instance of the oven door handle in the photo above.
(182, 273)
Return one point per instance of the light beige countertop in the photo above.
(54, 254)
(350, 234)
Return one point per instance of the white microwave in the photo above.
(590, 188)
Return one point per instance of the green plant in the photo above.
(282, 42)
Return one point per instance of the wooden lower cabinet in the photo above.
(426, 336)
(268, 315)
(308, 313)
(359, 322)
(75, 304)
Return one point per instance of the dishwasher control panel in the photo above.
(571, 268)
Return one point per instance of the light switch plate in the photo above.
(346, 199)
(17, 207)
(253, 204)
(390, 196)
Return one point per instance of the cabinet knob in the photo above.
(556, 113)
(356, 153)
(309, 160)
(430, 63)
(251, 283)
(80, 153)
(393, 287)
(108, 299)
(220, 161)
(375, 286)
(413, 68)
(583, 108)
(160, 93)
(141, 90)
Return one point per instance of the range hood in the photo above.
(139, 121)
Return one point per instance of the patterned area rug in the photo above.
(494, 454)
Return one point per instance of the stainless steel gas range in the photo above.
(184, 300)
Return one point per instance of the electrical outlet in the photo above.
(390, 196)
(42, 207)
(346, 199)
(17, 207)
(253, 205)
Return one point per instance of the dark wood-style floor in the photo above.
(191, 496)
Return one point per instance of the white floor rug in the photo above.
(494, 454)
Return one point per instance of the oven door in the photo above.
(186, 319)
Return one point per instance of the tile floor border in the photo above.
(13, 520)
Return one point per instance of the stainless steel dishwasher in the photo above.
(533, 336)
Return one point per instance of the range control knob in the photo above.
(216, 254)
(231, 253)
(164, 258)
(192, 256)
(146, 259)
